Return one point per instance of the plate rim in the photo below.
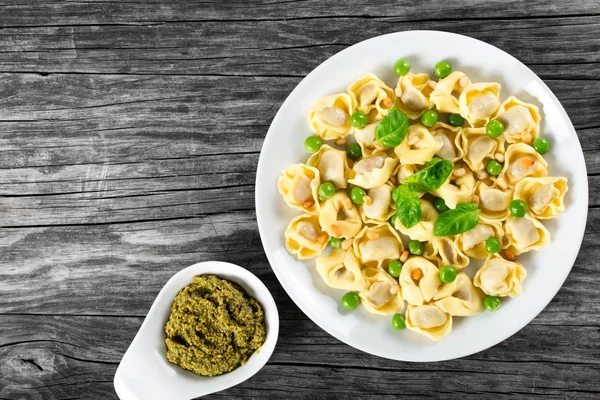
(303, 307)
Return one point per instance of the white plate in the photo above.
(547, 269)
(144, 372)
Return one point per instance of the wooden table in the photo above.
(129, 138)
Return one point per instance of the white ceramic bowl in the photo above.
(283, 145)
(144, 372)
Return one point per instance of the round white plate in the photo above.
(547, 269)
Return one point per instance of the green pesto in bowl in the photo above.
(214, 326)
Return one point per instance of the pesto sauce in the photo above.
(214, 327)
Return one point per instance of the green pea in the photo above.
(354, 151)
(492, 245)
(402, 67)
(398, 322)
(415, 247)
(494, 167)
(429, 118)
(359, 119)
(392, 220)
(456, 120)
(357, 195)
(442, 69)
(395, 193)
(492, 303)
(394, 268)
(494, 128)
(350, 300)
(541, 145)
(326, 191)
(312, 144)
(517, 208)
(440, 205)
(336, 243)
(447, 273)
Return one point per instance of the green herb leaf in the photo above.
(452, 222)
(433, 176)
(391, 131)
(408, 206)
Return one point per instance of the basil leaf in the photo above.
(391, 131)
(433, 176)
(408, 206)
(452, 222)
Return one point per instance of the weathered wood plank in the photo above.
(40, 360)
(67, 265)
(283, 47)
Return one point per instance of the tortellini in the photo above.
(472, 243)
(478, 147)
(378, 245)
(522, 161)
(330, 116)
(525, 234)
(413, 94)
(459, 298)
(334, 216)
(379, 210)
(450, 138)
(418, 147)
(341, 270)
(419, 280)
(429, 320)
(521, 120)
(493, 202)
(478, 102)
(372, 96)
(457, 190)
(423, 230)
(372, 171)
(382, 294)
(298, 185)
(500, 277)
(332, 165)
(544, 196)
(365, 138)
(443, 94)
(447, 251)
(304, 237)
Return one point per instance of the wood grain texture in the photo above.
(129, 137)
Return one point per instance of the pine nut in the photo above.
(404, 256)
(379, 147)
(432, 84)
(416, 274)
(347, 203)
(372, 235)
(508, 255)
(501, 183)
(341, 141)
(475, 199)
(464, 81)
(322, 238)
(459, 172)
(308, 204)
(499, 157)
(336, 231)
(481, 175)
(394, 289)
(367, 200)
(346, 244)
(386, 102)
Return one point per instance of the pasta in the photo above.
(371, 96)
(330, 116)
(298, 185)
(396, 217)
(303, 237)
(341, 270)
(500, 277)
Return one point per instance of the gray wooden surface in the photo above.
(129, 137)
